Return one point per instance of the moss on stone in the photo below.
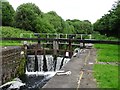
(21, 68)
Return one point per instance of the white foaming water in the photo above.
(15, 84)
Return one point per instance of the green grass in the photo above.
(106, 75)
(107, 53)
(10, 44)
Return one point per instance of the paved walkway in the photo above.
(81, 72)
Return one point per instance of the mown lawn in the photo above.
(107, 53)
(106, 75)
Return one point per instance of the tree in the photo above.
(56, 21)
(43, 26)
(26, 15)
(68, 29)
(109, 24)
(81, 27)
(7, 14)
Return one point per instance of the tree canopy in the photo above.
(25, 16)
(7, 14)
(109, 24)
(81, 27)
(28, 16)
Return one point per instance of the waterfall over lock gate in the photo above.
(37, 79)
(49, 62)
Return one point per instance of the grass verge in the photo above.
(107, 75)
(107, 53)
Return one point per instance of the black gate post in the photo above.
(44, 61)
(36, 61)
(70, 46)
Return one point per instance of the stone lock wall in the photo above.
(12, 63)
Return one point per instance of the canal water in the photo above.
(37, 79)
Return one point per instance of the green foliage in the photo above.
(107, 53)
(43, 25)
(29, 17)
(98, 36)
(84, 27)
(21, 68)
(55, 21)
(26, 15)
(68, 29)
(7, 14)
(12, 32)
(109, 24)
(52, 23)
(106, 75)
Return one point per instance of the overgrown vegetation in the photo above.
(21, 68)
(109, 24)
(106, 75)
(12, 32)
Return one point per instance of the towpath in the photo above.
(81, 76)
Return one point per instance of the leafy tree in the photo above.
(26, 15)
(68, 29)
(109, 24)
(43, 26)
(7, 14)
(56, 21)
(84, 27)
